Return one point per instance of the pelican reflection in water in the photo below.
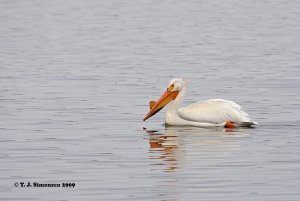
(176, 146)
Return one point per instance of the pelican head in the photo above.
(178, 84)
(175, 86)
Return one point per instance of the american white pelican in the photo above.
(210, 113)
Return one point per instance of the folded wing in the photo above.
(214, 111)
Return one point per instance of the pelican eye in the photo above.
(171, 87)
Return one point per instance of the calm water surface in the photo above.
(76, 78)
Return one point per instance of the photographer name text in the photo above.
(44, 185)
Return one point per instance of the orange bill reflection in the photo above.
(164, 149)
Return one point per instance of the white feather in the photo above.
(214, 111)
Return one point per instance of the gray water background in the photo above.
(76, 78)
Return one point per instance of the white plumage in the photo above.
(214, 111)
(210, 113)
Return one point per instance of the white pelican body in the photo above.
(210, 113)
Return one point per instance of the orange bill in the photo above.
(161, 103)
